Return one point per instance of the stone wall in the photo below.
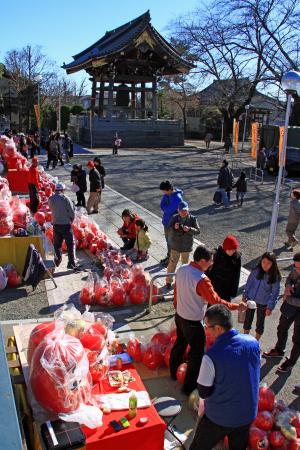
(134, 133)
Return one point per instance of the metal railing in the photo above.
(256, 174)
(151, 296)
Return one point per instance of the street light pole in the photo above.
(247, 107)
(291, 84)
(222, 133)
(38, 79)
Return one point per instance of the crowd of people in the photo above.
(203, 292)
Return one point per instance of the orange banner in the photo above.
(254, 127)
(235, 133)
(37, 115)
(281, 134)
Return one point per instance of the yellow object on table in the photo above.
(14, 250)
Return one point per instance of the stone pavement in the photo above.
(109, 220)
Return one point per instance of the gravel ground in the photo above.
(22, 303)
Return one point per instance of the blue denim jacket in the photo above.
(262, 292)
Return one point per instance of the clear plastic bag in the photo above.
(13, 277)
(86, 296)
(3, 279)
(88, 415)
(20, 213)
(59, 373)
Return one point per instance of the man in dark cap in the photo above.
(181, 230)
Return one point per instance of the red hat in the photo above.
(35, 159)
(90, 163)
(230, 243)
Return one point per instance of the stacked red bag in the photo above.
(276, 426)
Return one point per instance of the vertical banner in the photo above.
(236, 125)
(254, 133)
(281, 134)
(37, 115)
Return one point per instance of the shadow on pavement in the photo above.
(267, 367)
(279, 383)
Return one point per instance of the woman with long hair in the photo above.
(262, 287)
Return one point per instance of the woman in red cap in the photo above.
(95, 189)
(225, 271)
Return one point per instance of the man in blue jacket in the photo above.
(229, 382)
(169, 205)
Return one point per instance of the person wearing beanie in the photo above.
(262, 287)
(95, 189)
(225, 182)
(225, 271)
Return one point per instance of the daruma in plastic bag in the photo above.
(13, 278)
(153, 357)
(135, 349)
(94, 338)
(36, 337)
(99, 364)
(87, 292)
(59, 373)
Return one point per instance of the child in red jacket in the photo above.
(128, 230)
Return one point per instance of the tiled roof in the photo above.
(119, 38)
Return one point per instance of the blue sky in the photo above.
(65, 27)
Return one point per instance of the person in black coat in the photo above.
(225, 182)
(241, 188)
(100, 168)
(95, 189)
(225, 271)
(78, 177)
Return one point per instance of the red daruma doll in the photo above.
(59, 373)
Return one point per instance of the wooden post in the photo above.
(143, 101)
(133, 101)
(101, 99)
(93, 99)
(110, 97)
(154, 99)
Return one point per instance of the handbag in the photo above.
(75, 188)
(217, 198)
